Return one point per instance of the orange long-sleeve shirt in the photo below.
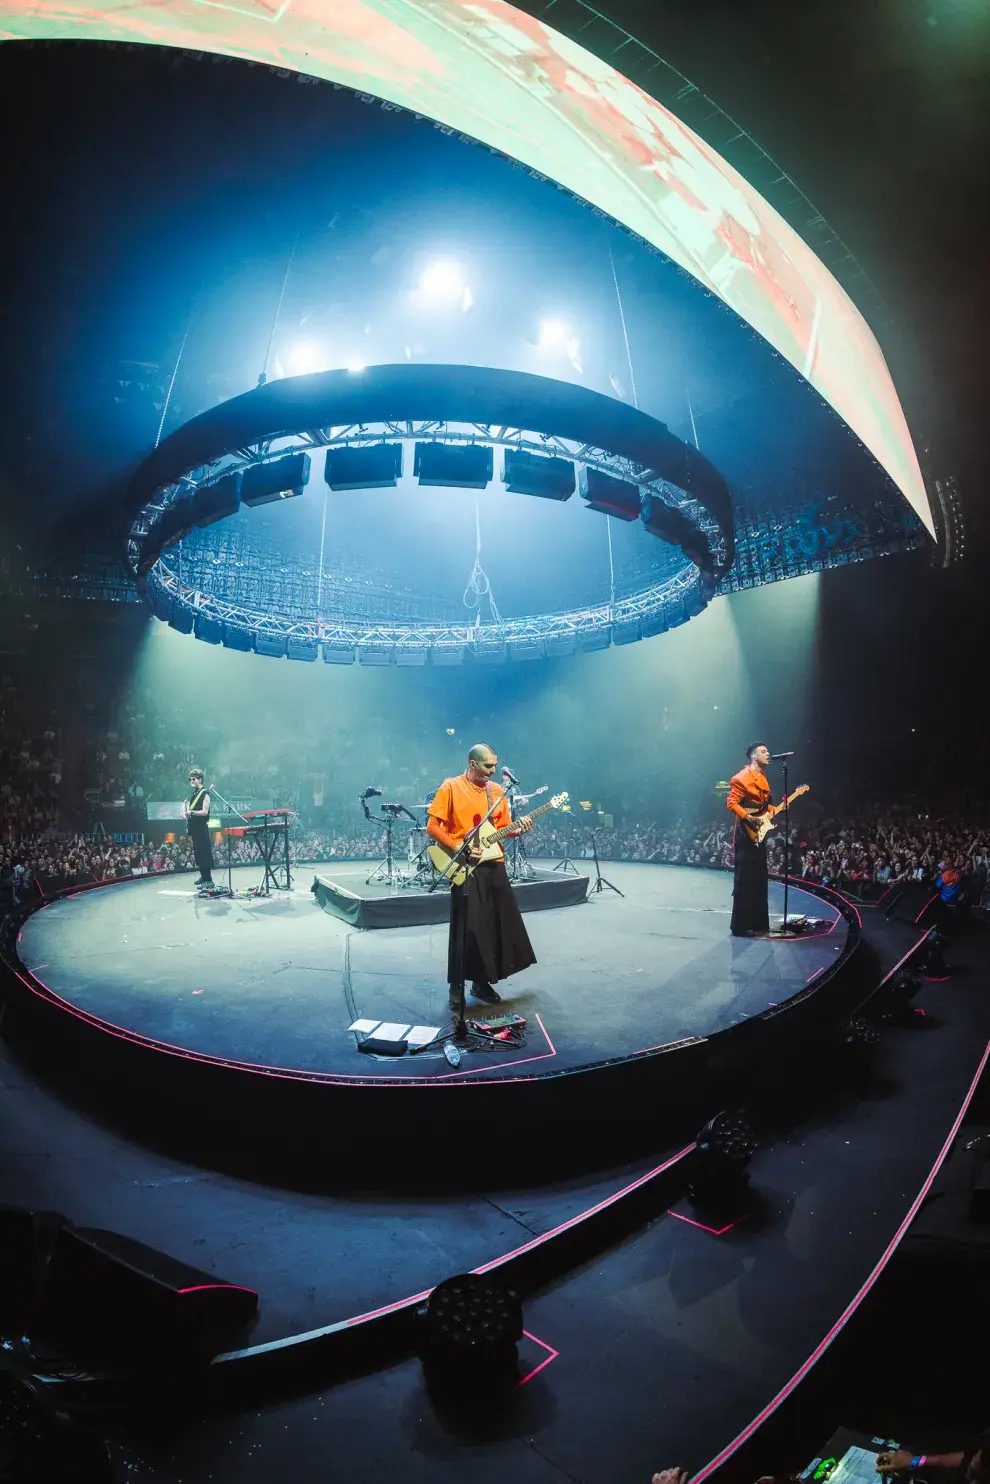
(749, 792)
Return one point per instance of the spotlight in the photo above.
(444, 281)
(306, 356)
(860, 1034)
(894, 1002)
(727, 1142)
(470, 1326)
(719, 1180)
(554, 334)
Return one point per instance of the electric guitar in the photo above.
(457, 868)
(758, 826)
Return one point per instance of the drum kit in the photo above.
(417, 872)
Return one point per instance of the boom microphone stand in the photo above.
(228, 806)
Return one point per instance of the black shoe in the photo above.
(484, 992)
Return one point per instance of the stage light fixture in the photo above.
(608, 495)
(673, 526)
(727, 1142)
(718, 1179)
(217, 501)
(453, 465)
(443, 281)
(533, 474)
(554, 334)
(281, 479)
(447, 655)
(302, 649)
(181, 619)
(273, 645)
(210, 630)
(860, 1034)
(338, 654)
(469, 1329)
(236, 638)
(376, 467)
(411, 655)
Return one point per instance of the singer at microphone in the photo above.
(750, 796)
(196, 813)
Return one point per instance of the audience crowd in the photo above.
(74, 796)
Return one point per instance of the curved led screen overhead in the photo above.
(488, 70)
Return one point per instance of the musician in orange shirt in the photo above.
(497, 941)
(749, 795)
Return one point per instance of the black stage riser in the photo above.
(424, 1135)
(416, 908)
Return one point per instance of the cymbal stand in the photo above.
(386, 871)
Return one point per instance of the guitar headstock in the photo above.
(802, 788)
(558, 800)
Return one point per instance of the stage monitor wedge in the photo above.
(377, 467)
(281, 479)
(546, 476)
(454, 465)
(609, 496)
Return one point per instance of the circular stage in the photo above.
(254, 1008)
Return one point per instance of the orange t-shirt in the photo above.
(459, 805)
(749, 792)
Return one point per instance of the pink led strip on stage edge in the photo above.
(489, 71)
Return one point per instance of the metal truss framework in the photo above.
(643, 454)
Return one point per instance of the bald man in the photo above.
(497, 941)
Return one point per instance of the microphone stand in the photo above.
(601, 882)
(228, 806)
(787, 846)
(460, 1035)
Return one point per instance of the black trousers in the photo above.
(497, 941)
(750, 913)
(202, 850)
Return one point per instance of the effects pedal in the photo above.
(494, 1025)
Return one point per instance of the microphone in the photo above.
(372, 793)
(779, 757)
(508, 777)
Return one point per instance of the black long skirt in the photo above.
(497, 941)
(750, 913)
(202, 850)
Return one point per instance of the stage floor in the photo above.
(277, 982)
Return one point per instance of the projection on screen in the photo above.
(492, 72)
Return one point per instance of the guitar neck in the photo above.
(507, 829)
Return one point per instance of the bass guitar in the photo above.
(758, 826)
(457, 868)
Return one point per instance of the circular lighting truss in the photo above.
(625, 463)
